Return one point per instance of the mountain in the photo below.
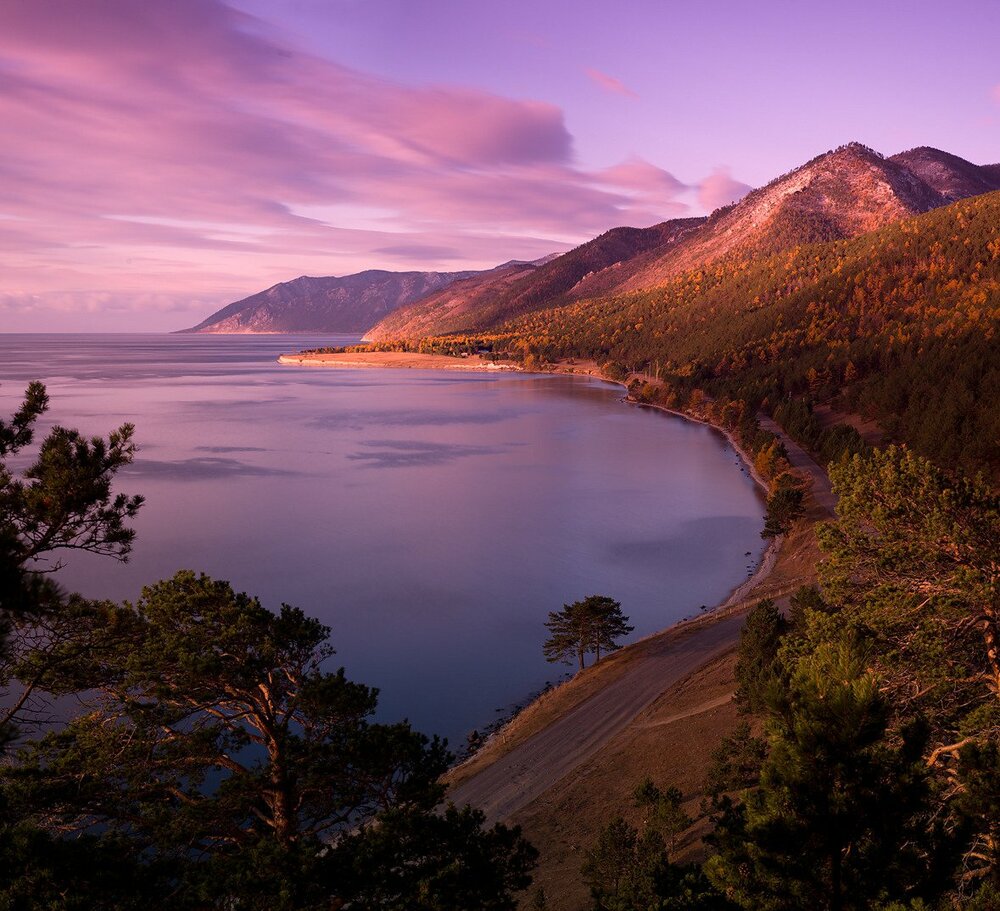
(838, 195)
(513, 289)
(447, 310)
(352, 303)
(952, 177)
(900, 325)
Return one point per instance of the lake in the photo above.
(431, 519)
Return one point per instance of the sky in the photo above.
(161, 159)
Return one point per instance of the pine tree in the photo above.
(218, 742)
(624, 867)
(664, 813)
(784, 506)
(62, 501)
(610, 623)
(585, 627)
(806, 598)
(914, 564)
(756, 655)
(836, 820)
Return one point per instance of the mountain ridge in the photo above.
(485, 298)
(349, 303)
(837, 195)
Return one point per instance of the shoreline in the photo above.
(501, 740)
(394, 360)
(769, 555)
(715, 614)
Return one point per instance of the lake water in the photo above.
(431, 519)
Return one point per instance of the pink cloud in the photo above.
(164, 153)
(653, 193)
(610, 83)
(720, 189)
(638, 174)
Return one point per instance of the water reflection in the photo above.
(431, 519)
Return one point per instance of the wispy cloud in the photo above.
(610, 83)
(163, 157)
(720, 189)
(656, 194)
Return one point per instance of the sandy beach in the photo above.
(395, 359)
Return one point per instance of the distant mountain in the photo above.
(352, 303)
(518, 288)
(952, 177)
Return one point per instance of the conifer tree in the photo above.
(757, 654)
(839, 812)
(914, 564)
(585, 627)
(62, 501)
(216, 743)
(784, 506)
(623, 868)
(664, 813)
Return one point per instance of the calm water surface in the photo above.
(431, 519)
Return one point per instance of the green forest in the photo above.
(899, 325)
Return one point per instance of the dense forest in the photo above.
(900, 325)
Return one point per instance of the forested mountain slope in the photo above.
(902, 324)
(841, 194)
(502, 293)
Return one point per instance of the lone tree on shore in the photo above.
(584, 627)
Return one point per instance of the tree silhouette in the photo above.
(585, 627)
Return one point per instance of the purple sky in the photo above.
(158, 160)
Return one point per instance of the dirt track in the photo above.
(529, 770)
(515, 780)
(801, 461)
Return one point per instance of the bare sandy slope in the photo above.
(391, 359)
(671, 741)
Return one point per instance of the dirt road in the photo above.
(529, 770)
(533, 767)
(803, 462)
